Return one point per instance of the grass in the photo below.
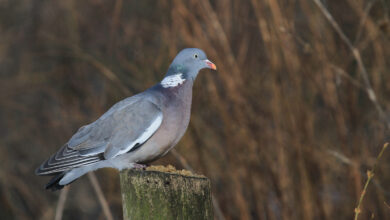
(370, 175)
(285, 129)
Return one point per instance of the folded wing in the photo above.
(119, 131)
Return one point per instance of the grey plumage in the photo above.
(136, 130)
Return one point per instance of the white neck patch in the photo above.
(173, 80)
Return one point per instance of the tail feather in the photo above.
(62, 179)
(68, 164)
(53, 184)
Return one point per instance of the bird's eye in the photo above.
(196, 56)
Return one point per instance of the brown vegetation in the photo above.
(286, 128)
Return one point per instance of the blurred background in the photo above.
(285, 129)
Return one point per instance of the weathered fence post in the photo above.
(150, 194)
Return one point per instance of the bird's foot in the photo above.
(139, 166)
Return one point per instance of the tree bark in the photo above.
(163, 195)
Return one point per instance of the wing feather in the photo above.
(135, 128)
(65, 159)
(120, 130)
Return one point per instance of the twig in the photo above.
(102, 200)
(387, 205)
(363, 20)
(370, 175)
(344, 74)
(348, 161)
(61, 203)
(340, 157)
(356, 54)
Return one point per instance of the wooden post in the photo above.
(151, 194)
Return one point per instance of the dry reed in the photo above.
(285, 129)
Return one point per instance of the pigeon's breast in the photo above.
(176, 110)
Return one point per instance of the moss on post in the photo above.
(152, 194)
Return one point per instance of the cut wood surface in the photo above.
(164, 193)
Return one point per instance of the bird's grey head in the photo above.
(189, 62)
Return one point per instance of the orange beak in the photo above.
(210, 64)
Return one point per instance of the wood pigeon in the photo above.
(134, 131)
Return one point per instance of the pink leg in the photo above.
(139, 166)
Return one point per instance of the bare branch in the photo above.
(357, 56)
(370, 175)
(102, 200)
(344, 74)
(363, 20)
(61, 203)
